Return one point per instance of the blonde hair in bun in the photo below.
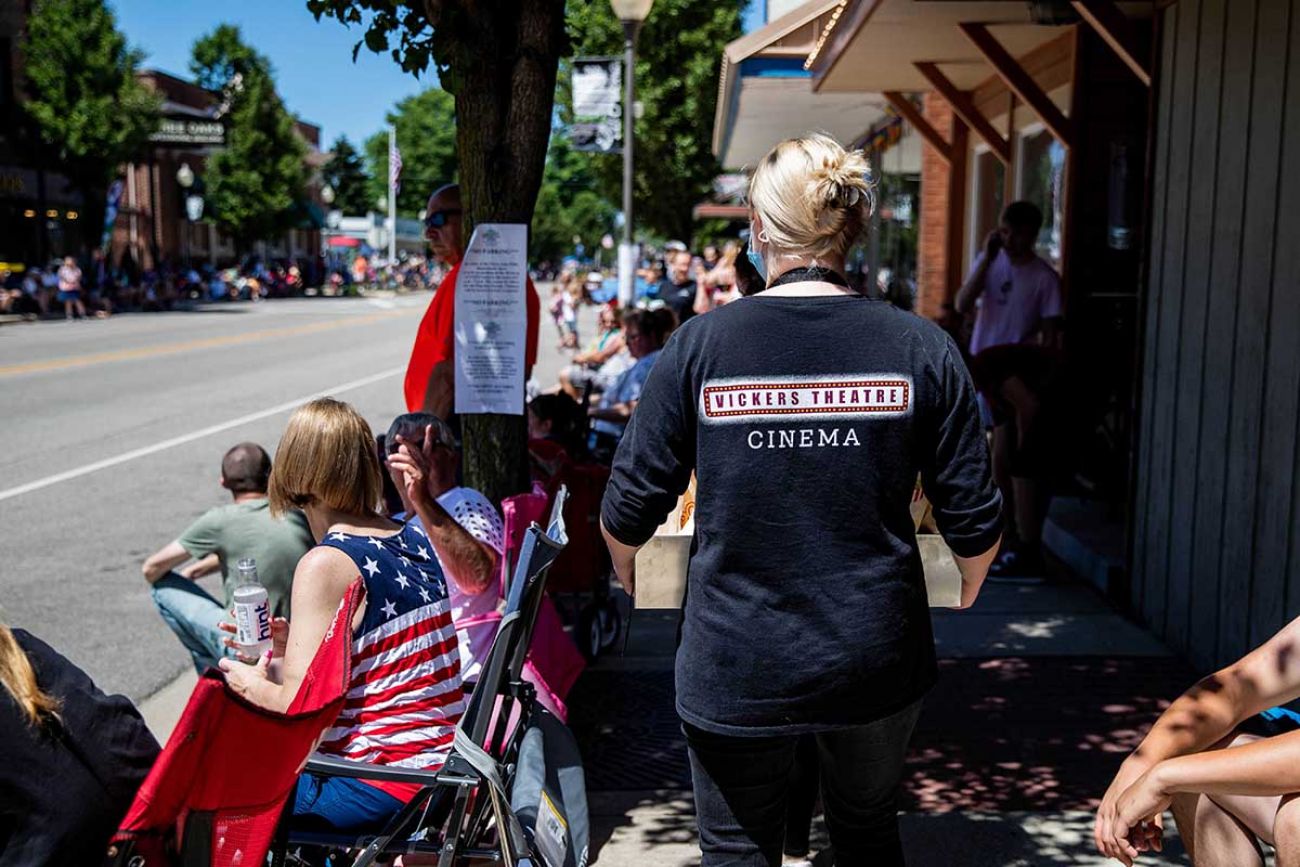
(813, 196)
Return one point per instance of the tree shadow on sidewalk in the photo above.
(1004, 748)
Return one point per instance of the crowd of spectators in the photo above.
(97, 288)
(409, 273)
(589, 406)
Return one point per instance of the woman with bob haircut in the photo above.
(806, 412)
(405, 696)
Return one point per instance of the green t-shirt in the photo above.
(247, 529)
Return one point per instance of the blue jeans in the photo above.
(742, 789)
(341, 804)
(194, 616)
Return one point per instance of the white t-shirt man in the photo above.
(1015, 301)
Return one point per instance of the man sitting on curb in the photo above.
(219, 539)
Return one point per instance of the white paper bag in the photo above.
(661, 564)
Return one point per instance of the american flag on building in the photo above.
(405, 697)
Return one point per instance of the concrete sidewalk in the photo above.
(1043, 690)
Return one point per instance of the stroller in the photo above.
(511, 791)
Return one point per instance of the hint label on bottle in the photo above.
(252, 622)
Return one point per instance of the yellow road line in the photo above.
(189, 345)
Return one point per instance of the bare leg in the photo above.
(1286, 832)
(1028, 503)
(1004, 439)
(1214, 837)
(566, 385)
(1225, 830)
(1184, 810)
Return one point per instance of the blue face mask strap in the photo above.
(755, 258)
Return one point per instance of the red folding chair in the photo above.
(220, 786)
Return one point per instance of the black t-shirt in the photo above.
(680, 297)
(65, 788)
(806, 420)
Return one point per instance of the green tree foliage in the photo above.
(256, 183)
(222, 57)
(89, 108)
(346, 173)
(678, 53)
(569, 204)
(426, 136)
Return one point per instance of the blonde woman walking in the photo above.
(806, 412)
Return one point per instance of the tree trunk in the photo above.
(504, 72)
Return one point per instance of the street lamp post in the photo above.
(185, 177)
(632, 13)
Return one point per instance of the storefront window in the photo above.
(1042, 179)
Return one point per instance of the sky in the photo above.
(313, 61)
(313, 64)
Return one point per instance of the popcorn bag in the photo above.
(661, 563)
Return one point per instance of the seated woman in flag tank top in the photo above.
(405, 694)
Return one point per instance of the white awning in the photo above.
(874, 45)
(765, 94)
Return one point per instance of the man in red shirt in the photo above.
(430, 376)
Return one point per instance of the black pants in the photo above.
(801, 798)
(742, 784)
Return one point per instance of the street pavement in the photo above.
(113, 433)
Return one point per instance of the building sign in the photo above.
(597, 104)
(186, 131)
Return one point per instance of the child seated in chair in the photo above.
(405, 695)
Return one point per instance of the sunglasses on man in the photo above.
(438, 219)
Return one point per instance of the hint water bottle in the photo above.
(252, 612)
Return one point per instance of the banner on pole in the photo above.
(597, 105)
(111, 204)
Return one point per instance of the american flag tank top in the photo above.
(404, 698)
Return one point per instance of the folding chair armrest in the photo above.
(333, 766)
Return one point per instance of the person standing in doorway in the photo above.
(806, 413)
(430, 384)
(70, 288)
(1016, 298)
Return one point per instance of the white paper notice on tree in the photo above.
(492, 320)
